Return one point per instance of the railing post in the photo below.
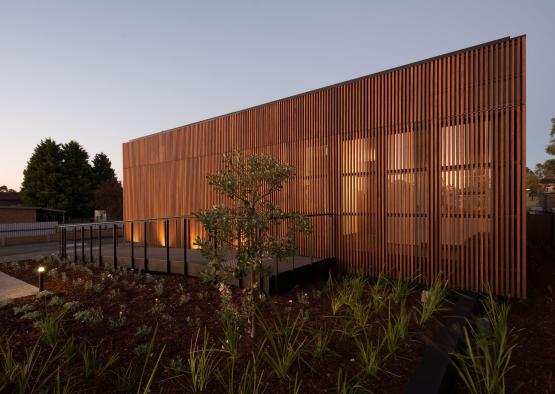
(185, 246)
(145, 265)
(75, 244)
(91, 243)
(276, 261)
(240, 270)
(83, 244)
(100, 245)
(115, 240)
(167, 244)
(132, 247)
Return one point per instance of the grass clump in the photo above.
(284, 341)
(486, 357)
(432, 300)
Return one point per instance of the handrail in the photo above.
(158, 218)
(79, 234)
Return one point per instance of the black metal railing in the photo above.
(15, 233)
(86, 241)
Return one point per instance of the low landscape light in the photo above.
(41, 270)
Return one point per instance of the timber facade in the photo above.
(416, 172)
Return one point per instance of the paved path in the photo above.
(28, 251)
(11, 287)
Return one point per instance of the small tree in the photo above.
(102, 170)
(109, 196)
(247, 225)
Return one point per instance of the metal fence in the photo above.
(37, 231)
(541, 229)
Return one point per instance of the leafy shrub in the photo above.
(143, 330)
(72, 305)
(44, 295)
(21, 310)
(90, 315)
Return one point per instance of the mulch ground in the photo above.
(534, 318)
(178, 324)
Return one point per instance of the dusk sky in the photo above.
(104, 72)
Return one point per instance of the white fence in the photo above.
(20, 230)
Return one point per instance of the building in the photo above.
(9, 199)
(417, 171)
(22, 214)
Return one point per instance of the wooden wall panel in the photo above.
(420, 168)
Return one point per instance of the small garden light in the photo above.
(41, 270)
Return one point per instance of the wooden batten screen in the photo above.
(421, 168)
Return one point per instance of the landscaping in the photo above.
(100, 330)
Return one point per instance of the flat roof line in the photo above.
(506, 38)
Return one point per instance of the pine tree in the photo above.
(78, 187)
(42, 185)
(102, 170)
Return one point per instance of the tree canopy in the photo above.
(546, 170)
(60, 176)
(102, 170)
(42, 178)
(550, 148)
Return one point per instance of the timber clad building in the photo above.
(416, 171)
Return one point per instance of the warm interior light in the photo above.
(41, 269)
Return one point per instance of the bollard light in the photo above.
(41, 270)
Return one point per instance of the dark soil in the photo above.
(534, 358)
(135, 302)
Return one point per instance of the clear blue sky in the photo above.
(103, 72)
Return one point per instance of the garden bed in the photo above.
(118, 312)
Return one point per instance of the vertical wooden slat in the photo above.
(422, 168)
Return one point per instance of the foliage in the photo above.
(203, 362)
(76, 181)
(550, 148)
(396, 329)
(94, 364)
(320, 342)
(102, 170)
(231, 318)
(432, 300)
(42, 178)
(146, 379)
(368, 354)
(532, 182)
(61, 177)
(50, 327)
(90, 315)
(345, 387)
(23, 309)
(29, 374)
(108, 196)
(400, 290)
(250, 382)
(486, 358)
(248, 224)
(285, 342)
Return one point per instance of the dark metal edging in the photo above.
(435, 374)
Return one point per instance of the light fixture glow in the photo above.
(41, 269)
